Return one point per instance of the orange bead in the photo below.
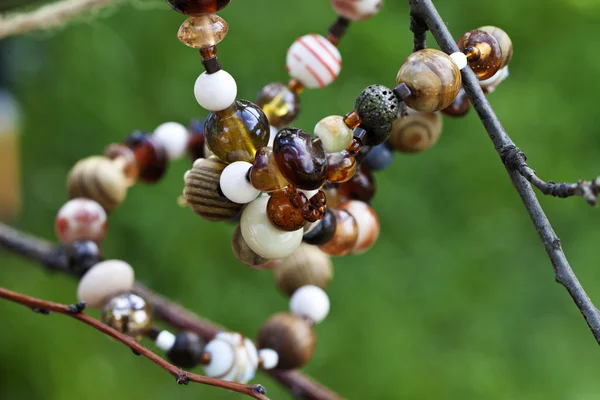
(341, 166)
(352, 119)
(283, 213)
(483, 53)
(346, 234)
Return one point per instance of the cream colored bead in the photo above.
(105, 280)
(334, 133)
(233, 358)
(174, 138)
(262, 236)
(235, 185)
(269, 358)
(311, 302)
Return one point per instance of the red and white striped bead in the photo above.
(356, 9)
(314, 61)
(80, 219)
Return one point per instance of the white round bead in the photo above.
(80, 219)
(215, 92)
(234, 184)
(357, 9)
(174, 137)
(222, 357)
(311, 302)
(104, 280)
(314, 61)
(165, 340)
(492, 83)
(334, 134)
(262, 236)
(460, 59)
(269, 358)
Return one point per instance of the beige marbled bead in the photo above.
(368, 224)
(308, 265)
(416, 132)
(334, 133)
(105, 280)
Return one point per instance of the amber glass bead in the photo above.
(483, 53)
(433, 78)
(264, 174)
(209, 52)
(360, 187)
(236, 133)
(416, 132)
(203, 32)
(283, 213)
(352, 119)
(332, 195)
(197, 7)
(280, 104)
(504, 42)
(124, 158)
(150, 156)
(341, 166)
(345, 236)
(295, 86)
(196, 142)
(460, 106)
(301, 160)
(322, 231)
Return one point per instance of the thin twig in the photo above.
(503, 143)
(419, 29)
(52, 257)
(46, 17)
(183, 377)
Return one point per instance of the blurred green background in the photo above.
(457, 299)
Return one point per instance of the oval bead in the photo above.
(129, 314)
(433, 78)
(314, 61)
(360, 187)
(416, 132)
(280, 104)
(368, 224)
(308, 265)
(345, 236)
(150, 155)
(321, 231)
(292, 337)
(80, 219)
(104, 280)
(265, 175)
(203, 31)
(504, 42)
(483, 53)
(356, 10)
(334, 134)
(300, 160)
(236, 133)
(197, 7)
(283, 214)
(262, 236)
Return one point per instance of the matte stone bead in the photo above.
(80, 219)
(150, 155)
(243, 252)
(360, 187)
(280, 104)
(483, 53)
(173, 137)
(265, 175)
(345, 237)
(292, 337)
(203, 32)
(215, 89)
(82, 255)
(197, 7)
(129, 314)
(187, 350)
(104, 280)
(322, 231)
(308, 265)
(368, 224)
(416, 131)
(310, 302)
(379, 158)
(378, 107)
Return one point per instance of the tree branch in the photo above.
(183, 377)
(52, 257)
(503, 144)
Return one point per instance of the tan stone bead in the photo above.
(416, 132)
(291, 336)
(308, 265)
(345, 236)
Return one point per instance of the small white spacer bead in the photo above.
(215, 92)
(310, 301)
(460, 59)
(269, 358)
(174, 137)
(222, 358)
(234, 184)
(165, 340)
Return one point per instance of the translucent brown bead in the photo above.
(360, 187)
(264, 174)
(291, 336)
(345, 237)
(203, 32)
(341, 166)
(483, 53)
(280, 104)
(433, 78)
(416, 132)
(197, 7)
(352, 119)
(368, 224)
(236, 133)
(129, 314)
(295, 86)
(150, 155)
(308, 265)
(243, 252)
(124, 158)
(195, 146)
(283, 214)
(332, 194)
(208, 52)
(202, 191)
(504, 42)
(460, 106)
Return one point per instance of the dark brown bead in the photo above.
(360, 187)
(124, 157)
(483, 53)
(280, 104)
(291, 336)
(187, 350)
(460, 106)
(197, 7)
(195, 145)
(150, 155)
(283, 214)
(243, 252)
(322, 231)
(345, 237)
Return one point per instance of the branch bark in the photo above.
(518, 171)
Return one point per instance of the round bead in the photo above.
(416, 132)
(378, 107)
(104, 280)
(310, 302)
(165, 340)
(314, 61)
(124, 159)
(150, 155)
(345, 237)
(269, 358)
(301, 160)
(215, 92)
(280, 104)
(203, 32)
(341, 167)
(356, 10)
(196, 139)
(197, 7)
(129, 314)
(489, 85)
(80, 219)
(232, 358)
(360, 187)
(334, 134)
(322, 231)
(99, 179)
(504, 42)
(187, 350)
(235, 185)
(82, 255)
(308, 265)
(460, 106)
(235, 134)
(433, 78)
(292, 337)
(262, 236)
(202, 191)
(283, 214)
(174, 138)
(460, 59)
(265, 175)
(368, 224)
(379, 158)
(243, 252)
(483, 53)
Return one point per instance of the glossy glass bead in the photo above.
(352, 119)
(504, 42)
(291, 336)
(187, 350)
(301, 160)
(341, 166)
(129, 314)
(321, 231)
(483, 53)
(124, 159)
(460, 106)
(368, 224)
(82, 255)
(197, 7)
(208, 52)
(378, 107)
(80, 219)
(283, 214)
(236, 133)
(356, 10)
(335, 135)
(379, 158)
(280, 104)
(416, 132)
(203, 32)
(265, 175)
(195, 145)
(150, 155)
(360, 187)
(433, 78)
(243, 252)
(314, 61)
(346, 234)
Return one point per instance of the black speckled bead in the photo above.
(378, 108)
(323, 231)
(187, 350)
(379, 158)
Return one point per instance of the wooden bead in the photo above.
(283, 214)
(197, 7)
(341, 166)
(360, 187)
(292, 337)
(483, 53)
(129, 314)
(308, 265)
(504, 42)
(368, 224)
(124, 158)
(202, 191)
(416, 132)
(100, 179)
(460, 106)
(346, 234)
(280, 104)
(265, 175)
(203, 32)
(433, 78)
(243, 252)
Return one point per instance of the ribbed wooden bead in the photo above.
(100, 179)
(202, 191)
(243, 252)
(416, 132)
(292, 337)
(308, 265)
